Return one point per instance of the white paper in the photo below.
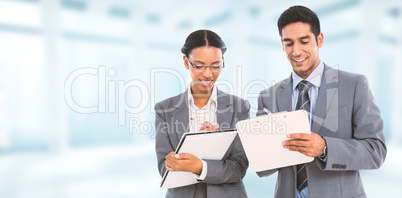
(262, 139)
(210, 146)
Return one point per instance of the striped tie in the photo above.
(303, 102)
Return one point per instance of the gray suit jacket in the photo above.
(348, 118)
(224, 177)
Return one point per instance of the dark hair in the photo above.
(299, 14)
(202, 38)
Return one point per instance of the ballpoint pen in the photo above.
(266, 111)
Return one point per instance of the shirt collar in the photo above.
(212, 102)
(314, 78)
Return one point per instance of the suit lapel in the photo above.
(224, 110)
(327, 94)
(284, 95)
(180, 115)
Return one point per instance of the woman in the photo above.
(202, 108)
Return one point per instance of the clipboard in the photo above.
(204, 145)
(262, 139)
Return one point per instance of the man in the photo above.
(346, 126)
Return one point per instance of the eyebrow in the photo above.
(200, 62)
(304, 37)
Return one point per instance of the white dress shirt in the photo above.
(197, 117)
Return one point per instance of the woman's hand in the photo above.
(183, 162)
(209, 127)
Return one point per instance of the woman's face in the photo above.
(204, 78)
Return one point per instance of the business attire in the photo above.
(222, 178)
(344, 112)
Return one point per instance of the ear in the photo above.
(320, 40)
(186, 62)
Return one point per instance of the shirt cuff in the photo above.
(323, 159)
(203, 171)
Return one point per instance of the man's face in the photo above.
(301, 47)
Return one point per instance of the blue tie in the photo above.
(303, 102)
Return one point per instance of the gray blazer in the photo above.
(224, 177)
(348, 118)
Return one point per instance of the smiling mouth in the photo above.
(207, 83)
(299, 60)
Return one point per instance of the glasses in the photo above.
(202, 67)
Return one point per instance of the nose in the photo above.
(207, 72)
(296, 50)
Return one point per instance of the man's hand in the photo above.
(209, 127)
(311, 145)
(183, 162)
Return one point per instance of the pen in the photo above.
(266, 111)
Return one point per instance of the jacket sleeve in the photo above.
(233, 168)
(162, 140)
(366, 149)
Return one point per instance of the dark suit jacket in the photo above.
(224, 177)
(348, 118)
